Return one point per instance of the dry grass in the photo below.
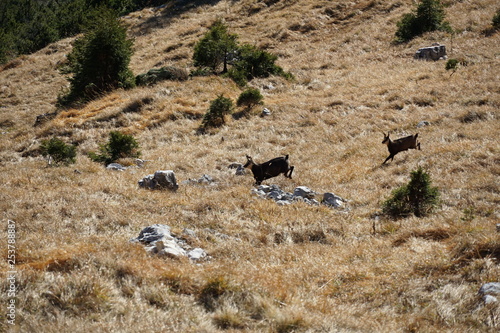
(294, 268)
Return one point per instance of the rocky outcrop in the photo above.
(163, 179)
(301, 193)
(157, 239)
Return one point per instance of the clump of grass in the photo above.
(78, 297)
(472, 116)
(229, 317)
(212, 291)
(438, 234)
(470, 249)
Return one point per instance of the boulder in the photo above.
(434, 52)
(332, 200)
(157, 239)
(205, 179)
(197, 254)
(301, 193)
(491, 288)
(163, 179)
(115, 166)
(423, 123)
(304, 192)
(489, 291)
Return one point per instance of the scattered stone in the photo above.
(488, 290)
(42, 118)
(498, 227)
(140, 163)
(332, 200)
(304, 192)
(197, 254)
(205, 179)
(434, 52)
(423, 123)
(157, 239)
(189, 232)
(265, 112)
(488, 299)
(160, 180)
(301, 193)
(240, 170)
(116, 167)
(234, 165)
(152, 233)
(491, 288)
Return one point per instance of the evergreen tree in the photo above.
(214, 117)
(417, 197)
(99, 61)
(215, 48)
(428, 16)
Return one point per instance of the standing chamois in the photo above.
(402, 144)
(269, 169)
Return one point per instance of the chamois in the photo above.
(269, 169)
(399, 145)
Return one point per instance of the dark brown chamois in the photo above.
(399, 145)
(269, 169)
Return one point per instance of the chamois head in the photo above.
(386, 138)
(249, 162)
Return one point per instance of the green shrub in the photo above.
(220, 48)
(214, 117)
(215, 48)
(428, 16)
(119, 146)
(250, 98)
(99, 61)
(58, 151)
(451, 64)
(252, 62)
(417, 197)
(160, 74)
(496, 20)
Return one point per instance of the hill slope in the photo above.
(276, 268)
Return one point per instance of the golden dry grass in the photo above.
(295, 268)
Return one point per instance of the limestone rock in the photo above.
(163, 179)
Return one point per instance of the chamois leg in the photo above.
(389, 157)
(289, 173)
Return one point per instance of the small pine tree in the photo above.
(214, 117)
(58, 151)
(215, 48)
(119, 146)
(451, 64)
(417, 197)
(99, 61)
(428, 16)
(250, 98)
(253, 62)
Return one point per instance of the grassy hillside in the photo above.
(295, 268)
